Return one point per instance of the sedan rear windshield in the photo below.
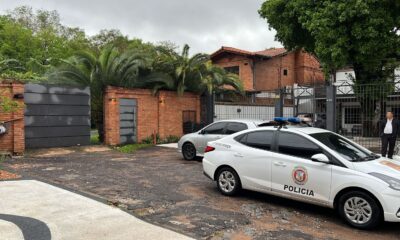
(343, 147)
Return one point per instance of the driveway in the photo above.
(35, 210)
(156, 185)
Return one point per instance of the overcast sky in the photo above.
(205, 25)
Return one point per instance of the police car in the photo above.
(308, 164)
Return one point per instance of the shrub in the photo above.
(168, 139)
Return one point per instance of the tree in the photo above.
(98, 70)
(38, 37)
(107, 37)
(362, 34)
(182, 72)
(178, 68)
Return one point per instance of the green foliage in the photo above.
(182, 72)
(94, 139)
(2, 159)
(131, 148)
(8, 105)
(37, 40)
(363, 34)
(168, 139)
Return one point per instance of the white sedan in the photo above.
(193, 144)
(311, 165)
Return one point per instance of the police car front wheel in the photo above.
(360, 210)
(228, 181)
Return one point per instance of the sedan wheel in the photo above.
(188, 151)
(360, 210)
(228, 181)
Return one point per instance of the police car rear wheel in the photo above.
(360, 210)
(188, 151)
(228, 181)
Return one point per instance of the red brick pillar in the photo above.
(111, 117)
(14, 140)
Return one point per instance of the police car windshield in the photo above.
(344, 147)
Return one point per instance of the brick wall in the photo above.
(245, 65)
(161, 113)
(308, 69)
(14, 140)
(302, 68)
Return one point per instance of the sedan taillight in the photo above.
(209, 149)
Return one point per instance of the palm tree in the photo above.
(180, 72)
(173, 71)
(215, 78)
(10, 65)
(109, 67)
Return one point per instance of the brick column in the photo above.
(111, 117)
(14, 140)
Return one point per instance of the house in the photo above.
(270, 69)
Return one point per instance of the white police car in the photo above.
(311, 165)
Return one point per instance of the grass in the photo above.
(94, 138)
(131, 148)
(2, 159)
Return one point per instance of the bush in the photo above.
(168, 139)
(2, 159)
(131, 148)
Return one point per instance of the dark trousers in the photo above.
(388, 139)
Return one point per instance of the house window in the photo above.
(352, 115)
(285, 72)
(233, 69)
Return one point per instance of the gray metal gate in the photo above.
(56, 116)
(127, 122)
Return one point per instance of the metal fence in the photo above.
(256, 105)
(352, 110)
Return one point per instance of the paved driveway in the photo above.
(156, 185)
(34, 210)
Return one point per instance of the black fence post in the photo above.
(279, 103)
(331, 108)
(210, 107)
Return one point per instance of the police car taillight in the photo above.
(209, 149)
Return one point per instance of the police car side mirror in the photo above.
(202, 132)
(320, 157)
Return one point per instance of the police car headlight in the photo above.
(394, 183)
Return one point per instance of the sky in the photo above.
(205, 25)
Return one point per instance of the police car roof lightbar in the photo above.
(283, 121)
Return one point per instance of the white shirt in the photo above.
(388, 128)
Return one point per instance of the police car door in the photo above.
(295, 175)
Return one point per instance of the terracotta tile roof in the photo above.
(271, 52)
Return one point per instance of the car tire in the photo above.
(360, 210)
(228, 181)
(188, 151)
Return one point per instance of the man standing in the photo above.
(388, 130)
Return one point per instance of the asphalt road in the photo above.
(158, 186)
